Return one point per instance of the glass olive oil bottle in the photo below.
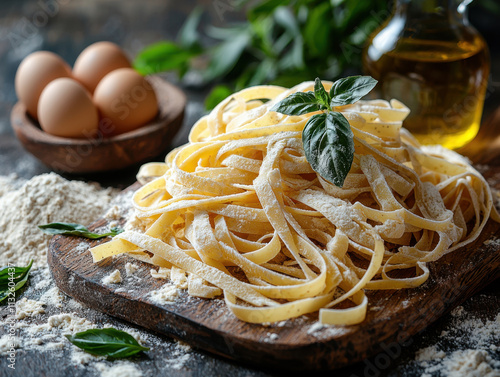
(429, 57)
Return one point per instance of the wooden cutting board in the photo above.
(299, 344)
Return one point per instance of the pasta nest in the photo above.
(240, 210)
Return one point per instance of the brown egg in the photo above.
(34, 73)
(96, 61)
(66, 109)
(126, 100)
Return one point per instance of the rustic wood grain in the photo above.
(207, 324)
(100, 154)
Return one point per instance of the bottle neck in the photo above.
(454, 11)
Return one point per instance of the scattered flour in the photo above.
(317, 326)
(179, 355)
(113, 213)
(492, 242)
(429, 353)
(43, 199)
(7, 343)
(184, 347)
(178, 362)
(131, 268)
(134, 223)
(470, 363)
(120, 368)
(113, 278)
(464, 332)
(162, 273)
(28, 308)
(80, 358)
(53, 297)
(167, 294)
(271, 337)
(179, 278)
(45, 279)
(73, 304)
(458, 311)
(68, 323)
(49, 336)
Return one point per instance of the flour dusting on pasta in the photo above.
(241, 211)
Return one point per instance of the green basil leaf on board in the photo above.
(108, 342)
(70, 229)
(16, 277)
(329, 146)
(351, 89)
(299, 103)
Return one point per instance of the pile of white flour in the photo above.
(477, 341)
(44, 199)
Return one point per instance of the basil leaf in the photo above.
(351, 89)
(225, 56)
(265, 8)
(317, 30)
(321, 94)
(329, 146)
(5, 273)
(4, 293)
(217, 95)
(108, 342)
(299, 103)
(70, 229)
(19, 277)
(164, 56)
(188, 34)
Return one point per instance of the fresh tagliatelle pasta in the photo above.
(240, 210)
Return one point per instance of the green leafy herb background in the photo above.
(282, 42)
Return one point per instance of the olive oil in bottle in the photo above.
(430, 58)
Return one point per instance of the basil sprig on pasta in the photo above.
(327, 137)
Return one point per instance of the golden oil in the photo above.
(438, 69)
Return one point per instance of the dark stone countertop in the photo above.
(68, 26)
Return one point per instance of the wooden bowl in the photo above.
(104, 154)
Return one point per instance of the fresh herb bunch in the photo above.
(327, 137)
(108, 342)
(282, 42)
(16, 277)
(70, 229)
